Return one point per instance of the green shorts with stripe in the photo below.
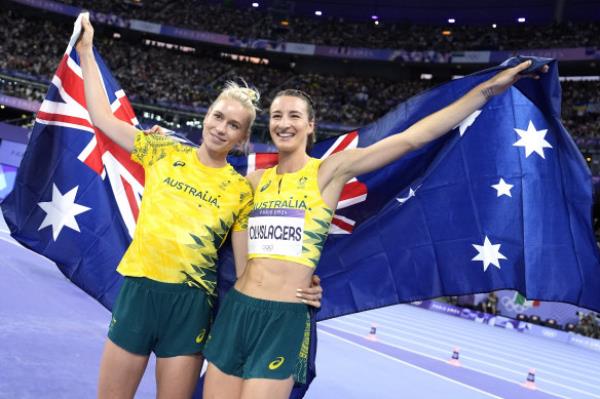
(257, 338)
(165, 318)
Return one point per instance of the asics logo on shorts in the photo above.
(275, 364)
(179, 163)
(200, 336)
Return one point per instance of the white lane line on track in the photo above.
(411, 313)
(491, 365)
(402, 337)
(487, 346)
(537, 349)
(586, 363)
(434, 346)
(411, 365)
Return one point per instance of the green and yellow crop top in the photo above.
(289, 221)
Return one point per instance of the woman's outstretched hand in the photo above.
(503, 80)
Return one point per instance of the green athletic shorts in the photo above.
(165, 318)
(256, 338)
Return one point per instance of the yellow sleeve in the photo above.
(241, 221)
(149, 148)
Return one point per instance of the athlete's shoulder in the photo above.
(241, 182)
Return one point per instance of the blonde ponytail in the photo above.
(246, 95)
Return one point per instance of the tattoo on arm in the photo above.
(487, 93)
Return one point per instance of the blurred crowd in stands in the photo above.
(259, 23)
(172, 78)
(153, 75)
(589, 324)
(581, 109)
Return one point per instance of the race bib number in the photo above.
(276, 232)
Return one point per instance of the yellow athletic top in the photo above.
(186, 213)
(290, 221)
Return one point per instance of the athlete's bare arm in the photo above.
(98, 106)
(239, 242)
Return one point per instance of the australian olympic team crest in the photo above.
(302, 182)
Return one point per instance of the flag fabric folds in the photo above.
(502, 201)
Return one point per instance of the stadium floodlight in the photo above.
(374, 17)
(318, 13)
(521, 20)
(255, 5)
(494, 26)
(376, 22)
(451, 20)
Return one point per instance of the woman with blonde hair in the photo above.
(192, 198)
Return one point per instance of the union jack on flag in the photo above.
(65, 106)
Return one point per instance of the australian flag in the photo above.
(502, 201)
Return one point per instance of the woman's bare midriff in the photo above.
(273, 279)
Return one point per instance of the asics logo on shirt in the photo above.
(275, 364)
(178, 163)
